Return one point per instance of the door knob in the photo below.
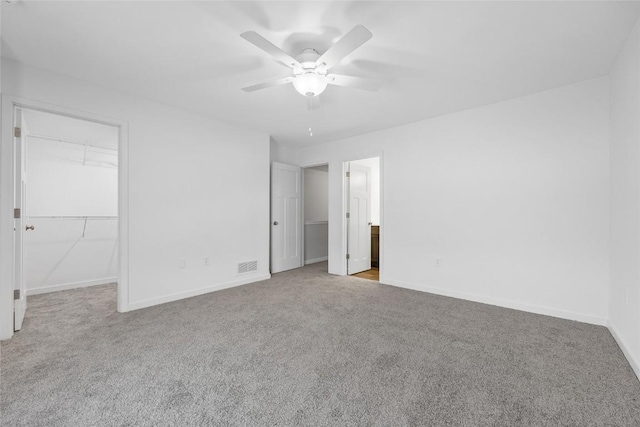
(275, 222)
(30, 227)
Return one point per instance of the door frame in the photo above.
(303, 237)
(7, 190)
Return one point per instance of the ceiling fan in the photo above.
(310, 69)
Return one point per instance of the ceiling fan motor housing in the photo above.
(308, 58)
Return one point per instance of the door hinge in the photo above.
(348, 174)
(347, 256)
(348, 216)
(16, 213)
(16, 294)
(17, 132)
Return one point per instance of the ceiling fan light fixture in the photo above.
(310, 69)
(310, 84)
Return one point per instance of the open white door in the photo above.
(286, 221)
(20, 225)
(359, 236)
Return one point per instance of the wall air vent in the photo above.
(247, 267)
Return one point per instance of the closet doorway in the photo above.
(316, 214)
(68, 193)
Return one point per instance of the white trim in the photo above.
(123, 217)
(344, 209)
(635, 363)
(547, 311)
(6, 219)
(381, 242)
(196, 292)
(302, 239)
(67, 286)
(315, 260)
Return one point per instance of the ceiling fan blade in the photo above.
(355, 82)
(265, 85)
(270, 48)
(313, 102)
(347, 44)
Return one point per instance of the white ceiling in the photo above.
(434, 57)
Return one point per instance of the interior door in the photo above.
(20, 225)
(359, 236)
(286, 221)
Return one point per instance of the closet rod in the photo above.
(68, 141)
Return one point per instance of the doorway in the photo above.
(316, 214)
(299, 216)
(67, 192)
(363, 218)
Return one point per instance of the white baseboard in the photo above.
(563, 314)
(67, 286)
(196, 292)
(313, 261)
(634, 362)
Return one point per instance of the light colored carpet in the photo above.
(307, 348)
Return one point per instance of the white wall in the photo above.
(281, 154)
(512, 197)
(316, 242)
(58, 181)
(374, 164)
(316, 211)
(59, 184)
(197, 187)
(316, 203)
(624, 306)
(62, 181)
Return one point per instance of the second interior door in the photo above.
(359, 236)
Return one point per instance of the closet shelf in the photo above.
(68, 141)
(81, 217)
(89, 150)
